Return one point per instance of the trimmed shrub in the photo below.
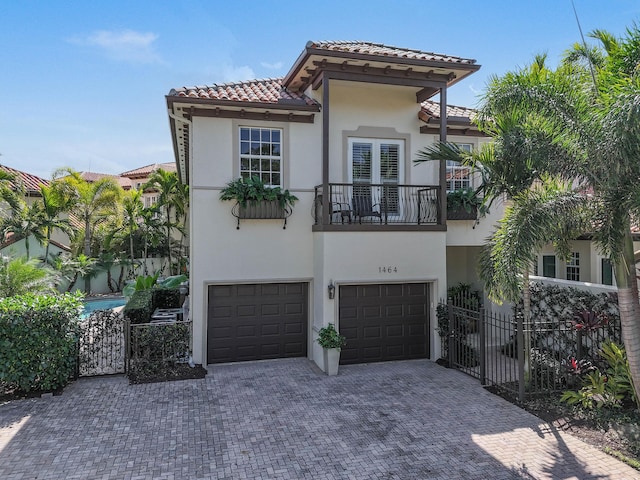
(139, 307)
(166, 298)
(38, 340)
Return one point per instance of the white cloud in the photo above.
(234, 74)
(272, 66)
(125, 45)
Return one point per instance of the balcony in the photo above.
(368, 206)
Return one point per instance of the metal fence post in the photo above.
(521, 356)
(451, 333)
(482, 347)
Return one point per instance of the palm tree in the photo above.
(92, 202)
(26, 221)
(170, 201)
(597, 126)
(132, 211)
(53, 205)
(21, 275)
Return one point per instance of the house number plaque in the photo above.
(389, 269)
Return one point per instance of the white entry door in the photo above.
(377, 161)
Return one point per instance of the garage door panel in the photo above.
(394, 331)
(371, 311)
(293, 328)
(246, 311)
(256, 321)
(384, 322)
(293, 308)
(269, 309)
(246, 290)
(269, 329)
(371, 332)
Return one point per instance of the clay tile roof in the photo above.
(259, 91)
(94, 177)
(31, 182)
(149, 169)
(432, 110)
(378, 49)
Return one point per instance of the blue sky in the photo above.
(82, 83)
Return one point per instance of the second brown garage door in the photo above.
(384, 322)
(256, 321)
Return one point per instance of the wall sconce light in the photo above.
(332, 290)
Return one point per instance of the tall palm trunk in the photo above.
(169, 239)
(87, 252)
(629, 307)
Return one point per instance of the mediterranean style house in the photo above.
(368, 246)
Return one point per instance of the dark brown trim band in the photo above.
(266, 115)
(285, 105)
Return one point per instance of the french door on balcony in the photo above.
(376, 170)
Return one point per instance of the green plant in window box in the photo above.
(465, 203)
(252, 190)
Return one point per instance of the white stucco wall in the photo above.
(261, 251)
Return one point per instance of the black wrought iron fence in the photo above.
(101, 344)
(156, 347)
(523, 358)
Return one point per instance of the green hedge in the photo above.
(38, 340)
(166, 298)
(139, 307)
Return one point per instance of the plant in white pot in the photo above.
(331, 341)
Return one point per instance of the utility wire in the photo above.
(586, 50)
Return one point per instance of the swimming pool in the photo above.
(101, 304)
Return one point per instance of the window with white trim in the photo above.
(573, 267)
(549, 266)
(607, 271)
(261, 154)
(458, 175)
(150, 201)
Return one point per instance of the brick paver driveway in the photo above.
(284, 419)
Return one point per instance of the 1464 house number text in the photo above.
(387, 269)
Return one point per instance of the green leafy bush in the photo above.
(166, 298)
(328, 337)
(157, 349)
(253, 190)
(38, 340)
(139, 307)
(609, 389)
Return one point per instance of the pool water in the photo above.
(103, 304)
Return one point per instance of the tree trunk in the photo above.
(169, 239)
(629, 308)
(87, 252)
(526, 321)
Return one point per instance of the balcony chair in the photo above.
(363, 206)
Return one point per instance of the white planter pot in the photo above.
(331, 360)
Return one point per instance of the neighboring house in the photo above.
(140, 176)
(368, 246)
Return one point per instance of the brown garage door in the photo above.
(256, 322)
(384, 322)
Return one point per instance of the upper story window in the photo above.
(261, 154)
(150, 201)
(573, 267)
(549, 266)
(458, 175)
(607, 272)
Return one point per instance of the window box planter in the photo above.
(461, 213)
(263, 210)
(257, 201)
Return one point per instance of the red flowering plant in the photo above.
(578, 367)
(588, 320)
